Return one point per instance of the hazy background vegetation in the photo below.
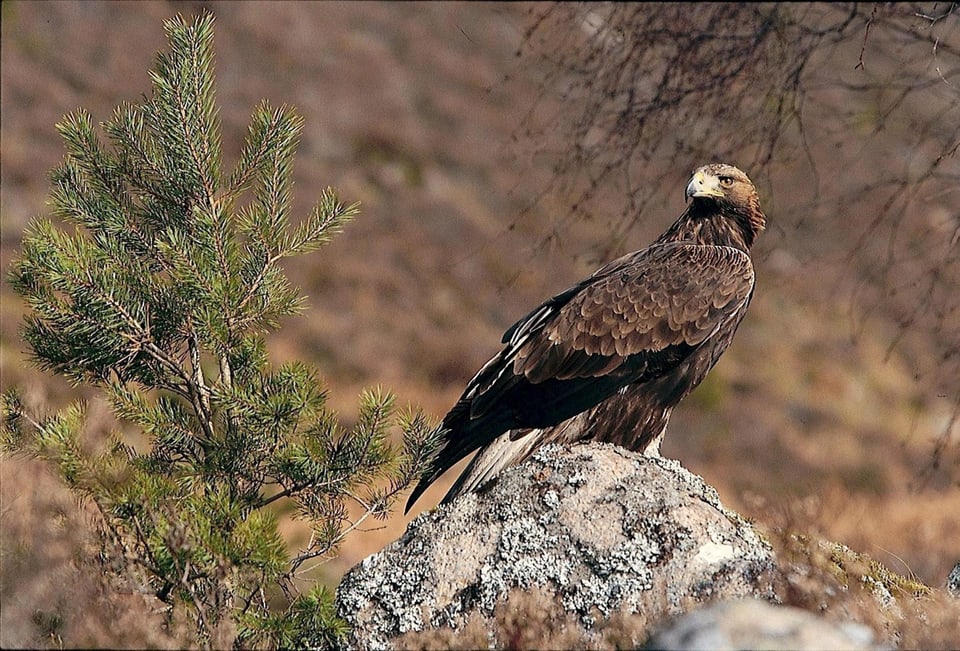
(449, 122)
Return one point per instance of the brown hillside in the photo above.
(414, 110)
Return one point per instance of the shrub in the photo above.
(158, 290)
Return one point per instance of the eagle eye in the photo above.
(726, 181)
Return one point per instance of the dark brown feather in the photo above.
(609, 358)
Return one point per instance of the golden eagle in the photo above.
(609, 358)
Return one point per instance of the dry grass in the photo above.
(533, 620)
(843, 585)
(53, 592)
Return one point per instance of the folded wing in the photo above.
(632, 321)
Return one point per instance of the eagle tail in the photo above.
(462, 435)
(490, 461)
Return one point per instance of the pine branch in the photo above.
(183, 84)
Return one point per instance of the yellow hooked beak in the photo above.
(704, 185)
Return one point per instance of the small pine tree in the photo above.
(160, 294)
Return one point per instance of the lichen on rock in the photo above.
(599, 529)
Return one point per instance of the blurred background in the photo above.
(498, 161)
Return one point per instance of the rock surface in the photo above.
(953, 581)
(753, 624)
(600, 529)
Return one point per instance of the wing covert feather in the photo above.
(662, 296)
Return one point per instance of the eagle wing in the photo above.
(633, 320)
(639, 315)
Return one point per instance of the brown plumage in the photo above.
(609, 358)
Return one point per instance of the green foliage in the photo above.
(310, 622)
(159, 292)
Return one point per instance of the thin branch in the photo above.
(866, 34)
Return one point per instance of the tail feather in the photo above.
(490, 461)
(461, 435)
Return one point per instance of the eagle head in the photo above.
(723, 187)
(719, 181)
